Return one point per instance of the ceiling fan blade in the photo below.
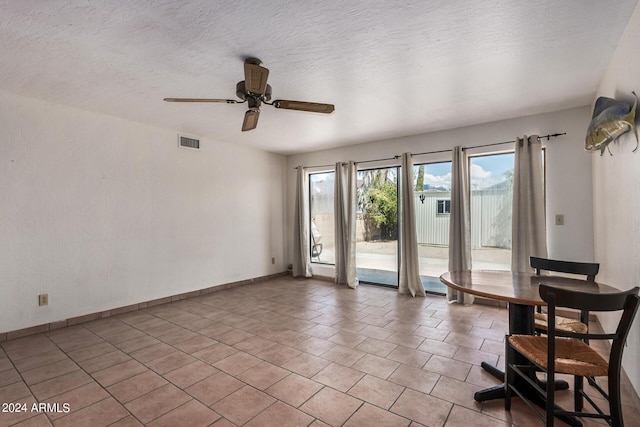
(250, 119)
(313, 107)
(228, 101)
(255, 77)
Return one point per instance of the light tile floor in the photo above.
(280, 353)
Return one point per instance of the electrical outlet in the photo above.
(43, 299)
(559, 219)
(273, 260)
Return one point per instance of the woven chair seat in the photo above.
(573, 356)
(565, 324)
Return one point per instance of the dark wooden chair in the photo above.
(588, 269)
(568, 353)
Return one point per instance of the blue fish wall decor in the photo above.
(611, 119)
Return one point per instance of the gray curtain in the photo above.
(459, 222)
(301, 261)
(410, 282)
(345, 223)
(529, 234)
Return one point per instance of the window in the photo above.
(443, 207)
(491, 205)
(321, 238)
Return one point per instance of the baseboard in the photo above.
(324, 278)
(5, 336)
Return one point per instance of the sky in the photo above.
(485, 172)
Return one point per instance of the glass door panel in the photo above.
(432, 200)
(322, 237)
(377, 226)
(491, 205)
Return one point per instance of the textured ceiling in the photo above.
(392, 68)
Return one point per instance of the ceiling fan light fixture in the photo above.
(250, 119)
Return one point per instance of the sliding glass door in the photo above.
(377, 226)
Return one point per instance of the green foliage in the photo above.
(509, 177)
(380, 206)
(420, 178)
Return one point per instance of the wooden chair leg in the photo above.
(508, 374)
(551, 398)
(615, 404)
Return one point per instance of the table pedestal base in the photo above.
(493, 370)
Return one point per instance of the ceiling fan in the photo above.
(255, 91)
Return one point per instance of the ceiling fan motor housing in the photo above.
(242, 93)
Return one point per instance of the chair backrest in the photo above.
(589, 269)
(625, 301)
(586, 300)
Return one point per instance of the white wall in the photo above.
(616, 185)
(568, 171)
(101, 212)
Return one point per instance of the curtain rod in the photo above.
(547, 137)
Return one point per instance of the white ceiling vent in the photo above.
(188, 142)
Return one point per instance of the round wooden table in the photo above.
(521, 291)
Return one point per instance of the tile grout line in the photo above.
(96, 381)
